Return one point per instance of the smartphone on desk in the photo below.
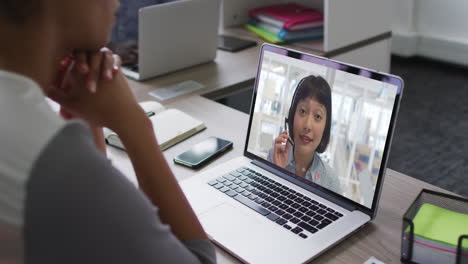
(233, 44)
(203, 152)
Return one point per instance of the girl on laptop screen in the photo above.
(307, 134)
(61, 200)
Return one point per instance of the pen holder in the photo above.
(416, 249)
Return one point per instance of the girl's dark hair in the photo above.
(17, 11)
(313, 87)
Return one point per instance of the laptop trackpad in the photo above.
(231, 227)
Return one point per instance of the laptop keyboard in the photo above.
(288, 208)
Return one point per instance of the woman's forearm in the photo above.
(98, 135)
(157, 181)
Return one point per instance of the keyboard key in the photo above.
(246, 201)
(237, 181)
(259, 200)
(288, 227)
(290, 210)
(248, 180)
(320, 226)
(228, 183)
(231, 193)
(295, 205)
(235, 174)
(229, 177)
(253, 196)
(281, 198)
(292, 196)
(218, 185)
(281, 221)
(273, 217)
(307, 198)
(313, 201)
(306, 204)
(213, 182)
(321, 211)
(322, 206)
(298, 214)
(297, 230)
(305, 218)
(246, 193)
(313, 207)
(224, 189)
(300, 195)
(338, 214)
(295, 220)
(299, 200)
(283, 206)
(318, 217)
(331, 216)
(239, 189)
(289, 202)
(221, 179)
(240, 170)
(243, 178)
(270, 199)
(285, 193)
(266, 204)
(280, 212)
(249, 188)
(326, 221)
(255, 191)
(303, 209)
(313, 222)
(330, 210)
(263, 195)
(303, 235)
(273, 208)
(287, 216)
(243, 184)
(308, 227)
(274, 194)
(310, 213)
(277, 203)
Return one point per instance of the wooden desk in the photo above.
(380, 238)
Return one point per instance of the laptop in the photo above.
(265, 209)
(174, 36)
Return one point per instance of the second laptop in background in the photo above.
(174, 36)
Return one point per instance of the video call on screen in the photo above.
(360, 111)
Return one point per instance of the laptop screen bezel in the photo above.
(298, 180)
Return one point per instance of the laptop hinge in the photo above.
(310, 188)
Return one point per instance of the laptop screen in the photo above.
(327, 123)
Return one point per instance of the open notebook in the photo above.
(171, 126)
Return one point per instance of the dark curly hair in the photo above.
(17, 11)
(313, 87)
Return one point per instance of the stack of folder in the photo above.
(436, 234)
(286, 23)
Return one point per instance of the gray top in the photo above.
(80, 209)
(320, 172)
